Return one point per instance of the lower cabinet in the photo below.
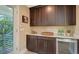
(51, 46)
(31, 43)
(41, 45)
(78, 46)
(44, 45)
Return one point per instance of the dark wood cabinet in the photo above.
(53, 15)
(78, 46)
(31, 43)
(60, 15)
(38, 16)
(70, 14)
(66, 15)
(51, 46)
(31, 16)
(43, 16)
(42, 45)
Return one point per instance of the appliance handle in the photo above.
(66, 40)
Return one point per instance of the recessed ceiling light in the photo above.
(49, 8)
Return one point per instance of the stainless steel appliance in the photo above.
(66, 46)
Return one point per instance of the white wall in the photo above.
(20, 29)
(16, 29)
(77, 22)
(24, 27)
(53, 29)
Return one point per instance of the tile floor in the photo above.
(29, 52)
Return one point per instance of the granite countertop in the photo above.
(64, 37)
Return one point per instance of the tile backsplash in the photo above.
(40, 29)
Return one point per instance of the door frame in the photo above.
(11, 6)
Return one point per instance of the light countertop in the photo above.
(65, 37)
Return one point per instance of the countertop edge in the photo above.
(63, 37)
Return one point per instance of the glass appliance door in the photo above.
(67, 46)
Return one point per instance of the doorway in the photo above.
(6, 29)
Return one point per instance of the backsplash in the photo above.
(40, 29)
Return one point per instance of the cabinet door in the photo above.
(32, 43)
(39, 15)
(41, 45)
(70, 14)
(34, 16)
(31, 16)
(78, 46)
(74, 15)
(51, 46)
(60, 15)
(51, 20)
(44, 16)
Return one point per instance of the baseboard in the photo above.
(23, 51)
(19, 52)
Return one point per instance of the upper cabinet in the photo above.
(60, 15)
(53, 15)
(70, 12)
